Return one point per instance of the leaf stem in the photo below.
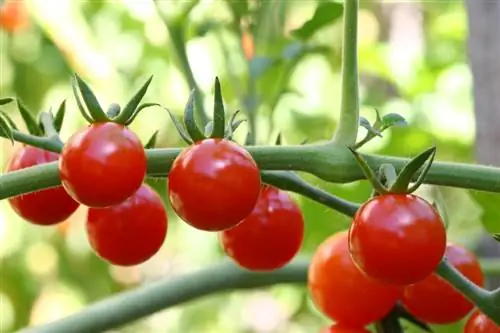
(47, 143)
(47, 121)
(347, 130)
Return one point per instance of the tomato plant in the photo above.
(480, 323)
(13, 15)
(46, 207)
(397, 238)
(341, 291)
(344, 329)
(102, 164)
(214, 184)
(434, 300)
(270, 236)
(131, 232)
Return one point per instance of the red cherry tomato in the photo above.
(214, 184)
(45, 207)
(13, 15)
(397, 238)
(270, 236)
(480, 323)
(344, 329)
(434, 300)
(341, 291)
(102, 164)
(131, 232)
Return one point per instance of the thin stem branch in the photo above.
(347, 130)
(47, 121)
(47, 143)
(132, 305)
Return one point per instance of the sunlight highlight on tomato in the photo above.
(480, 323)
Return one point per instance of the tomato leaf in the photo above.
(326, 13)
(59, 117)
(232, 125)
(29, 120)
(6, 100)
(189, 119)
(219, 121)
(180, 128)
(139, 109)
(393, 119)
(152, 141)
(90, 100)
(9, 120)
(363, 122)
(6, 130)
(131, 107)
(368, 172)
(410, 169)
(79, 103)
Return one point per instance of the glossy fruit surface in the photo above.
(214, 184)
(434, 300)
(102, 164)
(341, 291)
(270, 236)
(397, 238)
(131, 232)
(480, 323)
(45, 207)
(344, 329)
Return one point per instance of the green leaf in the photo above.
(9, 120)
(180, 128)
(130, 108)
(5, 130)
(59, 117)
(232, 125)
(326, 13)
(152, 141)
(83, 112)
(6, 100)
(139, 110)
(90, 100)
(393, 119)
(363, 122)
(219, 120)
(189, 119)
(368, 172)
(29, 120)
(410, 169)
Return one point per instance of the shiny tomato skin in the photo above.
(341, 291)
(131, 232)
(397, 238)
(434, 300)
(270, 236)
(214, 184)
(479, 323)
(339, 328)
(102, 165)
(46, 207)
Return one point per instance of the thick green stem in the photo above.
(132, 305)
(347, 129)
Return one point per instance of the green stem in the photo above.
(47, 121)
(347, 129)
(482, 298)
(135, 304)
(47, 143)
(329, 162)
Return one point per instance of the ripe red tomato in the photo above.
(214, 184)
(102, 164)
(344, 329)
(13, 15)
(131, 232)
(397, 238)
(341, 291)
(480, 323)
(45, 207)
(434, 300)
(270, 236)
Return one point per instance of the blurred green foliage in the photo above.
(287, 74)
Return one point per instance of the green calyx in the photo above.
(381, 124)
(388, 181)
(93, 112)
(217, 128)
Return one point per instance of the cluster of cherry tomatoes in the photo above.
(387, 257)
(213, 185)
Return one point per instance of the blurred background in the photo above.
(279, 60)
